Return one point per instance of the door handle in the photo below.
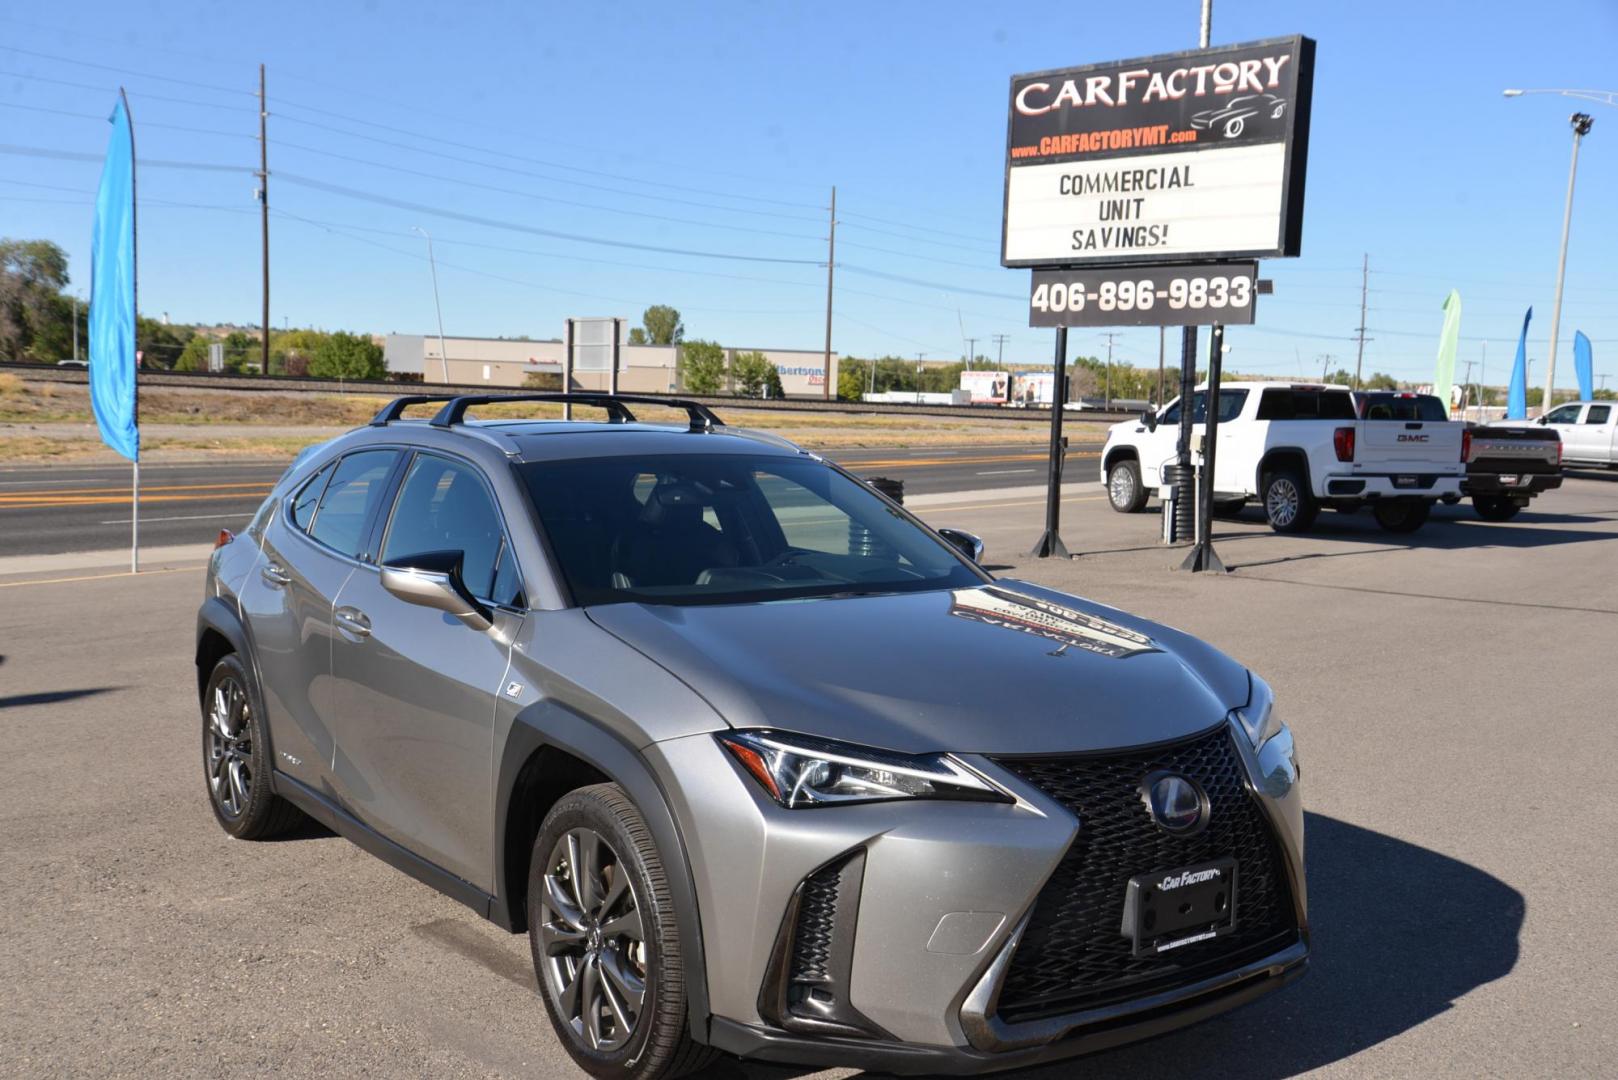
(353, 620)
(274, 575)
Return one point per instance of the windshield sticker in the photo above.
(1053, 622)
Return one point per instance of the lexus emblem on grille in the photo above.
(1176, 803)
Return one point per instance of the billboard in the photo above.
(1033, 388)
(1193, 155)
(1156, 295)
(986, 387)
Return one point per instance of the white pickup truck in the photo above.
(1295, 448)
(1589, 431)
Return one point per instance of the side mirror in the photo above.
(964, 542)
(1149, 418)
(432, 579)
(1542, 420)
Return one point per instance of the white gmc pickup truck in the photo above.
(1295, 448)
(1589, 431)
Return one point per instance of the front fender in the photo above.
(546, 724)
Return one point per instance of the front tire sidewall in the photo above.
(1125, 492)
(605, 809)
(1284, 490)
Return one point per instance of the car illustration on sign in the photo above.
(1232, 118)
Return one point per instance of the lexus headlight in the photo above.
(798, 771)
(1258, 717)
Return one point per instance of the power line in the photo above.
(145, 163)
(496, 223)
(144, 123)
(126, 71)
(143, 95)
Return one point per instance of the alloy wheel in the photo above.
(230, 747)
(1121, 487)
(593, 940)
(1281, 501)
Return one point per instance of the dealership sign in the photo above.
(1186, 156)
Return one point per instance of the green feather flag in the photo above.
(1444, 377)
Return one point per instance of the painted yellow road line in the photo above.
(103, 577)
(125, 500)
(262, 485)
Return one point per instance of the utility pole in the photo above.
(971, 347)
(1582, 123)
(264, 217)
(1325, 365)
(918, 377)
(1466, 390)
(1000, 344)
(1162, 337)
(1109, 336)
(75, 327)
(831, 266)
(1603, 386)
(1359, 353)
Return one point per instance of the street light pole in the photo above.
(1581, 123)
(443, 352)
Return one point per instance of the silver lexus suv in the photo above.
(762, 764)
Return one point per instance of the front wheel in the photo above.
(1494, 507)
(1289, 506)
(1402, 515)
(605, 942)
(1124, 489)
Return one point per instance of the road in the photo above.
(1452, 695)
(46, 509)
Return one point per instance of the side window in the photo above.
(1598, 414)
(507, 588)
(303, 504)
(349, 499)
(1336, 405)
(1230, 404)
(1276, 405)
(1171, 415)
(1566, 414)
(444, 506)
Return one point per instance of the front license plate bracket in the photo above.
(1171, 909)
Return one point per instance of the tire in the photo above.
(1289, 506)
(1402, 515)
(586, 953)
(1233, 128)
(1124, 489)
(1494, 507)
(236, 758)
(1231, 508)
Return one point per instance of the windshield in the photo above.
(719, 528)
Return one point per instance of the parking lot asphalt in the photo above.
(1452, 695)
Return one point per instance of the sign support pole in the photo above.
(1050, 544)
(1202, 556)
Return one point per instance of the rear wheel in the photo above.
(605, 941)
(1288, 504)
(1124, 489)
(236, 758)
(1495, 507)
(1402, 515)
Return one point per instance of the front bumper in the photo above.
(942, 894)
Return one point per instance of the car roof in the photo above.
(1274, 385)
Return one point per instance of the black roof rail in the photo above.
(395, 408)
(701, 417)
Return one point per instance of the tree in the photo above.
(347, 356)
(702, 367)
(194, 357)
(160, 344)
(291, 350)
(33, 274)
(1381, 381)
(637, 336)
(853, 379)
(663, 325)
(542, 380)
(755, 376)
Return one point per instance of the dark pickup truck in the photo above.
(1505, 466)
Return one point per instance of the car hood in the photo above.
(1007, 668)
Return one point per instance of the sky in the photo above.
(548, 147)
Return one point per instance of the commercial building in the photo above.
(642, 368)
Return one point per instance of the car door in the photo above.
(1591, 438)
(1564, 420)
(416, 688)
(1157, 446)
(287, 604)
